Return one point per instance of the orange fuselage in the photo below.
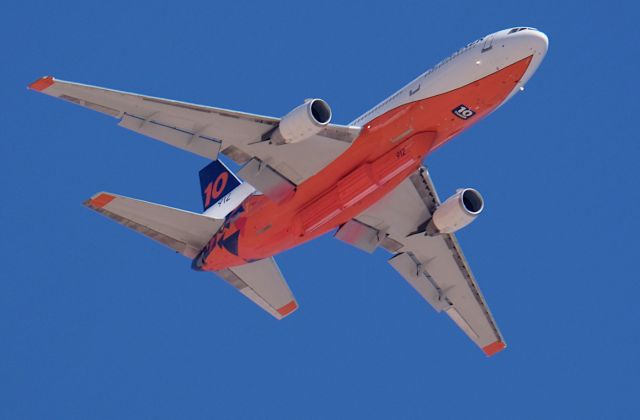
(389, 149)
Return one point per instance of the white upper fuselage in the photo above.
(472, 62)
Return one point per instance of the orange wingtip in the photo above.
(101, 200)
(494, 348)
(42, 83)
(288, 308)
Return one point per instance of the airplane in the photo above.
(303, 176)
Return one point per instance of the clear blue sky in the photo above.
(97, 322)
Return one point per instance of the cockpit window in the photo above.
(514, 30)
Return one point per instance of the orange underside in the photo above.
(389, 149)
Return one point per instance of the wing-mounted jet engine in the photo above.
(456, 212)
(303, 122)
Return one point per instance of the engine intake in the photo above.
(456, 212)
(302, 122)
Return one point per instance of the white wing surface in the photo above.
(434, 265)
(183, 231)
(208, 131)
(262, 282)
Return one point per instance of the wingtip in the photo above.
(288, 308)
(100, 200)
(493, 348)
(42, 83)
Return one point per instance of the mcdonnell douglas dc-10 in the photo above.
(303, 176)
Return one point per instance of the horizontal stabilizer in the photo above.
(183, 231)
(263, 283)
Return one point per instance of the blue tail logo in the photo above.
(216, 181)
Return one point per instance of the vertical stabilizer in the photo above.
(221, 190)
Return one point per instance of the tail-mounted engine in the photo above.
(456, 212)
(303, 122)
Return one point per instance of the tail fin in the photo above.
(221, 190)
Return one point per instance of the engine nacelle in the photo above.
(456, 212)
(303, 122)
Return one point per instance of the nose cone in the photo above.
(517, 43)
(536, 41)
(539, 40)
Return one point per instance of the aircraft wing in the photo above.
(207, 131)
(434, 265)
(262, 282)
